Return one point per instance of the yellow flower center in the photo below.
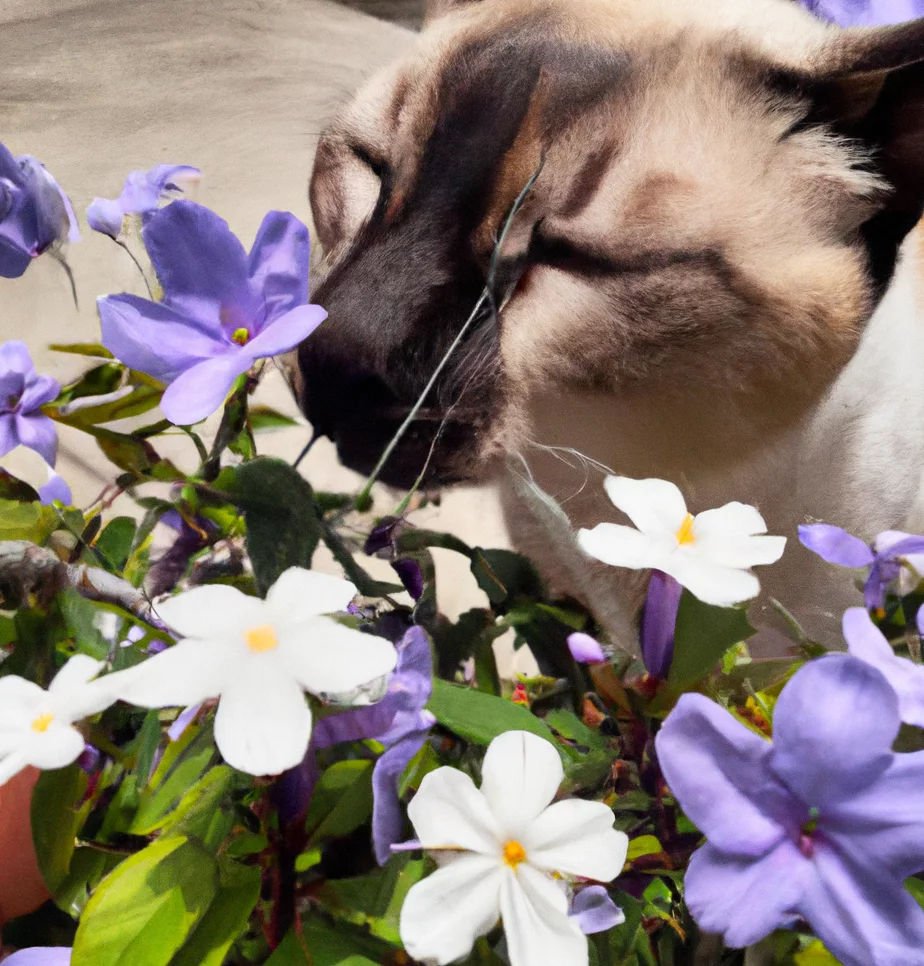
(262, 638)
(241, 336)
(514, 854)
(42, 722)
(685, 533)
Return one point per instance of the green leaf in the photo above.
(135, 456)
(365, 584)
(56, 819)
(227, 917)
(504, 576)
(328, 945)
(97, 381)
(479, 717)
(570, 726)
(143, 912)
(114, 544)
(643, 845)
(82, 349)
(815, 954)
(279, 510)
(158, 798)
(140, 400)
(26, 521)
(704, 633)
(342, 800)
(264, 419)
(80, 618)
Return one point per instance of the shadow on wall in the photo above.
(407, 13)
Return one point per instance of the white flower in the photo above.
(710, 554)
(508, 854)
(258, 657)
(36, 726)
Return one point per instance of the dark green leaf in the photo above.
(279, 510)
(140, 400)
(80, 616)
(263, 419)
(115, 542)
(704, 633)
(328, 945)
(82, 349)
(342, 800)
(367, 585)
(480, 717)
(570, 726)
(97, 381)
(56, 819)
(135, 456)
(15, 489)
(159, 798)
(504, 576)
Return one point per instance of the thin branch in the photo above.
(26, 568)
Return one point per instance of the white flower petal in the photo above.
(621, 546)
(11, 765)
(212, 612)
(732, 519)
(73, 694)
(187, 673)
(18, 697)
(740, 552)
(299, 594)
(56, 747)
(535, 915)
(654, 506)
(520, 776)
(710, 582)
(327, 657)
(444, 914)
(577, 838)
(448, 812)
(80, 669)
(263, 723)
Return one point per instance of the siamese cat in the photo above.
(713, 279)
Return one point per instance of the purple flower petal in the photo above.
(278, 263)
(105, 216)
(14, 356)
(886, 567)
(201, 265)
(410, 575)
(295, 788)
(864, 917)
(141, 193)
(833, 728)
(355, 724)
(199, 391)
(55, 490)
(38, 433)
(768, 891)
(152, 338)
(883, 824)
(867, 642)
(865, 13)
(585, 649)
(38, 391)
(55, 218)
(659, 621)
(41, 956)
(286, 332)
(594, 911)
(388, 819)
(719, 772)
(9, 439)
(835, 545)
(183, 721)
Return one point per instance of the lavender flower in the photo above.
(222, 309)
(141, 194)
(823, 824)
(35, 214)
(594, 911)
(40, 956)
(865, 13)
(659, 621)
(399, 722)
(585, 649)
(868, 643)
(887, 557)
(22, 394)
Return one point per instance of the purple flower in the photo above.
(141, 194)
(865, 13)
(35, 214)
(594, 911)
(891, 552)
(222, 309)
(22, 394)
(55, 490)
(868, 643)
(659, 621)
(823, 824)
(40, 956)
(585, 649)
(400, 723)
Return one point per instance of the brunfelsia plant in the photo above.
(246, 761)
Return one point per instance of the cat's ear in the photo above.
(869, 86)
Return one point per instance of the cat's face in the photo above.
(716, 205)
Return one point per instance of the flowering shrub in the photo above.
(247, 761)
